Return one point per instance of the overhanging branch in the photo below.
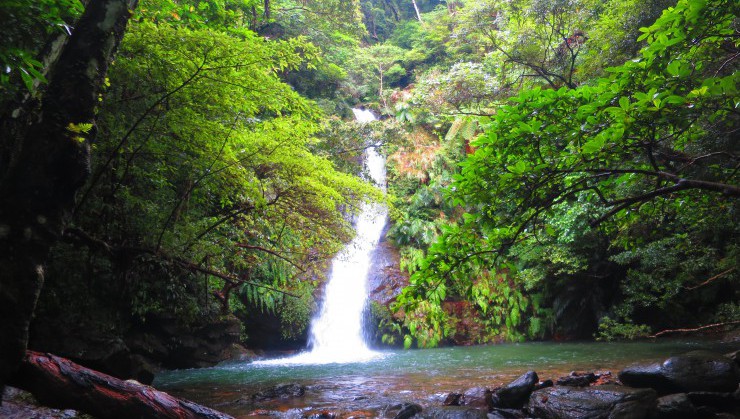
(77, 236)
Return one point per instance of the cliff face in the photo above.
(385, 279)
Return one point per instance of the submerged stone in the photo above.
(280, 391)
(453, 412)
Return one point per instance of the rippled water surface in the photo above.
(371, 388)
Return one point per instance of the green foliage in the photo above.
(466, 87)
(651, 140)
(610, 330)
(295, 313)
(579, 199)
(378, 67)
(211, 177)
(26, 25)
(728, 312)
(386, 330)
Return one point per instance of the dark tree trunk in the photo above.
(61, 383)
(48, 159)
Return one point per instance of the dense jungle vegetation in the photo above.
(557, 168)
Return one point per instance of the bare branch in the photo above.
(78, 236)
(697, 329)
(272, 252)
(712, 279)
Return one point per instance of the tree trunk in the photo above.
(49, 161)
(60, 383)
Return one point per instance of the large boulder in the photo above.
(453, 412)
(676, 406)
(516, 393)
(646, 375)
(601, 402)
(507, 414)
(694, 371)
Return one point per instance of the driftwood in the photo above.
(60, 383)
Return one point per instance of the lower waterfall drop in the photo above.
(336, 332)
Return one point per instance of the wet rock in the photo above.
(385, 278)
(408, 411)
(453, 412)
(19, 404)
(324, 414)
(543, 384)
(676, 406)
(702, 371)
(236, 353)
(694, 371)
(613, 402)
(142, 369)
(646, 375)
(604, 377)
(358, 414)
(453, 399)
(715, 400)
(577, 379)
(516, 393)
(260, 412)
(735, 356)
(477, 397)
(506, 414)
(280, 391)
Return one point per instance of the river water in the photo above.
(373, 387)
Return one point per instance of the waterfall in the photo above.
(336, 332)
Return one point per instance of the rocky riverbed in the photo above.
(695, 385)
(19, 404)
(699, 384)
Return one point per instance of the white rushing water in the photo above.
(336, 333)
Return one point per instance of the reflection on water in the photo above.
(421, 376)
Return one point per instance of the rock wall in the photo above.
(148, 347)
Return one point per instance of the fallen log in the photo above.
(59, 382)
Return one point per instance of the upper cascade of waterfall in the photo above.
(363, 115)
(336, 332)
